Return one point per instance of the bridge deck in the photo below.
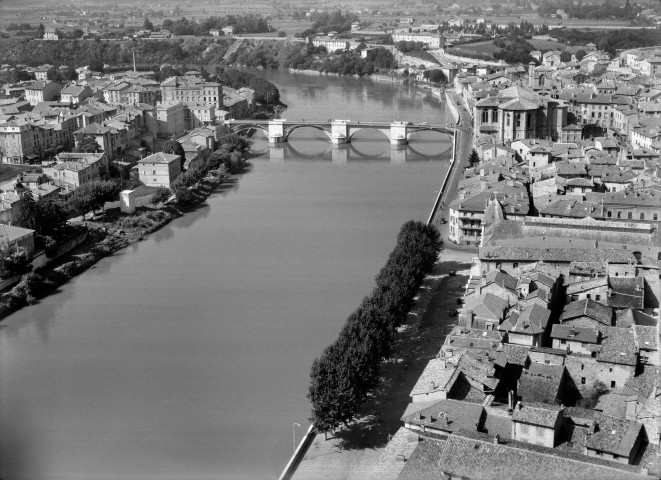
(328, 124)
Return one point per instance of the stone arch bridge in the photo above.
(338, 131)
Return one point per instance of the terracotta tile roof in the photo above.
(630, 316)
(541, 383)
(627, 292)
(618, 346)
(501, 278)
(575, 334)
(614, 435)
(588, 308)
(448, 415)
(436, 376)
(646, 338)
(559, 255)
(423, 462)
(159, 157)
(532, 320)
(516, 354)
(645, 381)
(543, 414)
(474, 455)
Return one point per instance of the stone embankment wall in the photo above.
(455, 58)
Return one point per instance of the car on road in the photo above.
(453, 313)
(443, 220)
(460, 301)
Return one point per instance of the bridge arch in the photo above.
(410, 131)
(354, 130)
(289, 130)
(244, 127)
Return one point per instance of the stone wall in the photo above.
(583, 367)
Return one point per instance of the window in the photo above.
(630, 215)
(597, 297)
(656, 216)
(609, 213)
(642, 215)
(582, 380)
(582, 366)
(498, 265)
(515, 264)
(610, 370)
(563, 342)
(619, 214)
(612, 383)
(508, 119)
(589, 296)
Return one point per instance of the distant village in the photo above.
(553, 367)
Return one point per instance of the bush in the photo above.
(161, 195)
(183, 195)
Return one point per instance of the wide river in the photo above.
(187, 356)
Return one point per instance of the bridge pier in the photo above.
(276, 132)
(398, 154)
(398, 133)
(276, 152)
(340, 132)
(340, 153)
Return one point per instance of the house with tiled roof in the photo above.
(435, 382)
(614, 439)
(527, 326)
(575, 339)
(159, 169)
(537, 423)
(483, 311)
(500, 284)
(544, 383)
(446, 416)
(479, 456)
(587, 313)
(42, 91)
(75, 94)
(12, 237)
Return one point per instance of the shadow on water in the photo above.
(419, 340)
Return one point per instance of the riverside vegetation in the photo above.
(348, 369)
(114, 230)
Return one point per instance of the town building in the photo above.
(159, 169)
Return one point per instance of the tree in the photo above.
(25, 213)
(565, 56)
(86, 144)
(473, 158)
(96, 65)
(173, 147)
(148, 25)
(41, 30)
(93, 195)
(580, 54)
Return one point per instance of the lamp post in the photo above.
(293, 429)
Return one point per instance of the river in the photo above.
(187, 355)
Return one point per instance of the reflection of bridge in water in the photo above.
(338, 131)
(341, 154)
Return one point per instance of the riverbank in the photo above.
(103, 238)
(365, 451)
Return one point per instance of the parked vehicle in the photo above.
(443, 220)
(453, 313)
(460, 301)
